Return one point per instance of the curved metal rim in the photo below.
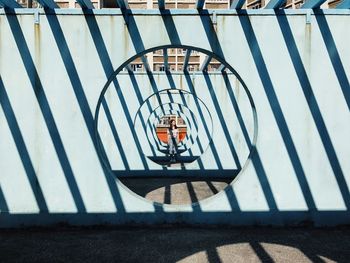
(252, 147)
(154, 94)
(194, 117)
(182, 115)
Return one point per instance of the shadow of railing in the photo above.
(313, 105)
(236, 215)
(81, 99)
(22, 151)
(170, 99)
(3, 204)
(276, 109)
(109, 70)
(47, 114)
(333, 54)
(188, 244)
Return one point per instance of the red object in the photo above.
(163, 135)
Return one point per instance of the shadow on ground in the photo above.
(176, 191)
(175, 244)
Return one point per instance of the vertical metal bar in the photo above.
(10, 4)
(85, 4)
(123, 4)
(312, 4)
(237, 4)
(222, 67)
(48, 4)
(146, 64)
(204, 66)
(345, 4)
(187, 59)
(166, 59)
(199, 4)
(161, 4)
(128, 67)
(274, 4)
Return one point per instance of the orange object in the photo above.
(164, 124)
(163, 135)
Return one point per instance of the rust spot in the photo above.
(307, 47)
(37, 44)
(37, 50)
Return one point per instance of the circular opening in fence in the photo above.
(175, 124)
(192, 129)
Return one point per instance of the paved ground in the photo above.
(176, 244)
(175, 190)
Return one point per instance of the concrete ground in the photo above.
(175, 190)
(176, 244)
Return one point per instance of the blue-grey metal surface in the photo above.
(166, 58)
(85, 4)
(9, 4)
(199, 4)
(123, 4)
(204, 66)
(187, 58)
(275, 4)
(145, 63)
(48, 4)
(161, 4)
(311, 4)
(221, 67)
(176, 12)
(345, 4)
(237, 4)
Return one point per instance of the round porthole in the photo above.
(163, 125)
(175, 124)
(178, 144)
